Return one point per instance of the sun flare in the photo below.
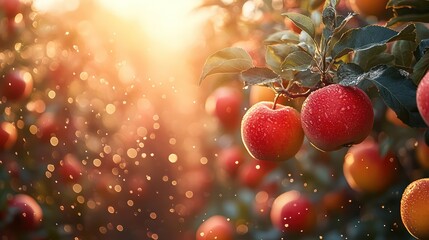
(163, 20)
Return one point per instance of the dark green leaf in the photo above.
(259, 76)
(398, 92)
(403, 52)
(349, 74)
(307, 78)
(368, 37)
(341, 21)
(418, 4)
(413, 17)
(409, 11)
(329, 17)
(303, 22)
(228, 60)
(422, 48)
(297, 61)
(420, 68)
(364, 57)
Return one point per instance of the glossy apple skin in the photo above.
(225, 104)
(422, 98)
(366, 170)
(17, 85)
(271, 134)
(414, 208)
(336, 116)
(292, 212)
(27, 213)
(215, 227)
(8, 135)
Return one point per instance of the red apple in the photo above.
(375, 8)
(26, 212)
(225, 104)
(252, 173)
(293, 212)
(414, 210)
(215, 227)
(17, 85)
(70, 168)
(230, 159)
(422, 98)
(8, 135)
(10, 7)
(272, 134)
(366, 170)
(335, 116)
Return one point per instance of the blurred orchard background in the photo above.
(106, 133)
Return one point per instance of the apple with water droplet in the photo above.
(272, 132)
(422, 98)
(367, 170)
(414, 210)
(336, 116)
(215, 227)
(293, 212)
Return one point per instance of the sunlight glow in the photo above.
(164, 21)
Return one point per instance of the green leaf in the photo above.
(307, 78)
(365, 58)
(287, 36)
(303, 22)
(259, 76)
(228, 60)
(422, 48)
(395, 88)
(275, 55)
(341, 21)
(368, 37)
(349, 74)
(297, 61)
(420, 68)
(403, 52)
(409, 11)
(418, 4)
(329, 17)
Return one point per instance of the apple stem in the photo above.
(296, 95)
(276, 98)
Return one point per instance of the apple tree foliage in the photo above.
(319, 60)
(385, 59)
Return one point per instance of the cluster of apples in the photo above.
(331, 118)
(414, 212)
